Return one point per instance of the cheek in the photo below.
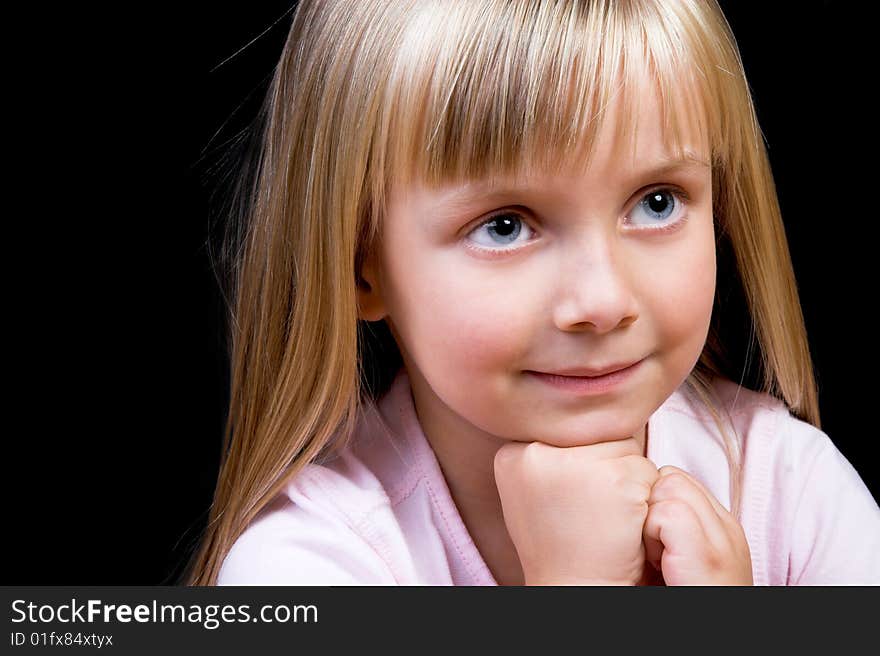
(683, 306)
(454, 320)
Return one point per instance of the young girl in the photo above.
(485, 311)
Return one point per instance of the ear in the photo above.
(371, 305)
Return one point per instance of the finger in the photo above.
(675, 526)
(506, 457)
(611, 449)
(674, 485)
(720, 510)
(665, 470)
(642, 470)
(616, 448)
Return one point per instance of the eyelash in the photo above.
(679, 194)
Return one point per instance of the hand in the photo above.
(691, 537)
(576, 514)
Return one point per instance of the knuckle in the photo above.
(634, 497)
(641, 468)
(713, 559)
(531, 450)
(651, 474)
(532, 458)
(632, 476)
(507, 456)
(673, 510)
(641, 491)
(674, 483)
(666, 470)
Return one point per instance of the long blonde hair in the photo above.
(370, 92)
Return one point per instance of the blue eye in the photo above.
(502, 229)
(505, 228)
(659, 204)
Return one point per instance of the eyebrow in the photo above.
(488, 191)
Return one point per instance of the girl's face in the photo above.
(548, 274)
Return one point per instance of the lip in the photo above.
(591, 373)
(587, 384)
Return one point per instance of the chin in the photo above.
(582, 440)
(583, 433)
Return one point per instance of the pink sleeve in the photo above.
(302, 544)
(836, 525)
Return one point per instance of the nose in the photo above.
(595, 287)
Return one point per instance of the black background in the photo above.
(121, 116)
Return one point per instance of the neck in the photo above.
(466, 456)
(470, 476)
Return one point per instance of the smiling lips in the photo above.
(590, 373)
(588, 384)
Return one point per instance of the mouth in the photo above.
(588, 384)
(584, 372)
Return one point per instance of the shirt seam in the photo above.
(761, 501)
(468, 563)
(422, 451)
(358, 525)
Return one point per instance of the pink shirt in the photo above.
(381, 513)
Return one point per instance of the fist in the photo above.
(691, 537)
(576, 514)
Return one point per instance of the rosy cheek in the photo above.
(685, 294)
(477, 328)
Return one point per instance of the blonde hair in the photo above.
(371, 92)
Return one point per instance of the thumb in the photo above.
(653, 545)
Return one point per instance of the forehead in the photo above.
(618, 152)
(654, 133)
(478, 97)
